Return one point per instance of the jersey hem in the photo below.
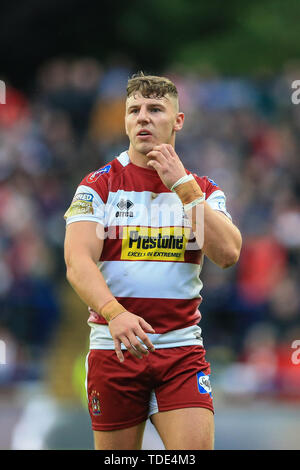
(100, 338)
(157, 346)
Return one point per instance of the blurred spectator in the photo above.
(261, 269)
(107, 118)
(71, 87)
(15, 108)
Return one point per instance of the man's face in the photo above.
(151, 121)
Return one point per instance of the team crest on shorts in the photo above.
(204, 383)
(95, 403)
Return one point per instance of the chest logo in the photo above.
(150, 243)
(124, 205)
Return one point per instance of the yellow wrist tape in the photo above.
(111, 309)
(188, 191)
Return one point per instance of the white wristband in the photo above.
(184, 179)
(189, 206)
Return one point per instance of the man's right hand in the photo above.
(125, 328)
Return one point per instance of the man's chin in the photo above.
(145, 148)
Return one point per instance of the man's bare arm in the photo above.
(219, 239)
(83, 248)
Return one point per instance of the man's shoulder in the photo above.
(100, 180)
(105, 172)
(208, 185)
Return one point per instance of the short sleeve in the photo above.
(214, 196)
(217, 201)
(86, 205)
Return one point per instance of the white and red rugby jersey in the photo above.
(147, 261)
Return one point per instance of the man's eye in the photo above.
(155, 109)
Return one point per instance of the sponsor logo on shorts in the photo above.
(155, 244)
(203, 383)
(95, 403)
(94, 176)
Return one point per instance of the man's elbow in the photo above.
(230, 258)
(70, 270)
(71, 264)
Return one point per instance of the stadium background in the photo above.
(65, 65)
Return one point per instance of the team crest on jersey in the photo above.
(95, 403)
(203, 383)
(94, 176)
(212, 182)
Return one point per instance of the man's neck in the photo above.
(138, 159)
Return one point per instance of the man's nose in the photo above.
(143, 115)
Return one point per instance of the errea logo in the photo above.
(124, 205)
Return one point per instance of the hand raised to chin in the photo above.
(166, 162)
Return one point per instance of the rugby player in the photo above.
(137, 232)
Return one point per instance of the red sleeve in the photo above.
(98, 181)
(207, 185)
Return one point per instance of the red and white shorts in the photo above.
(121, 395)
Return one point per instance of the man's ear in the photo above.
(179, 122)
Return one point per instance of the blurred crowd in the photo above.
(242, 132)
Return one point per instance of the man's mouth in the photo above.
(144, 133)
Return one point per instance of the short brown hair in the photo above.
(151, 86)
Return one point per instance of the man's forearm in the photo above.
(88, 282)
(219, 239)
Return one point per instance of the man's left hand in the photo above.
(166, 162)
